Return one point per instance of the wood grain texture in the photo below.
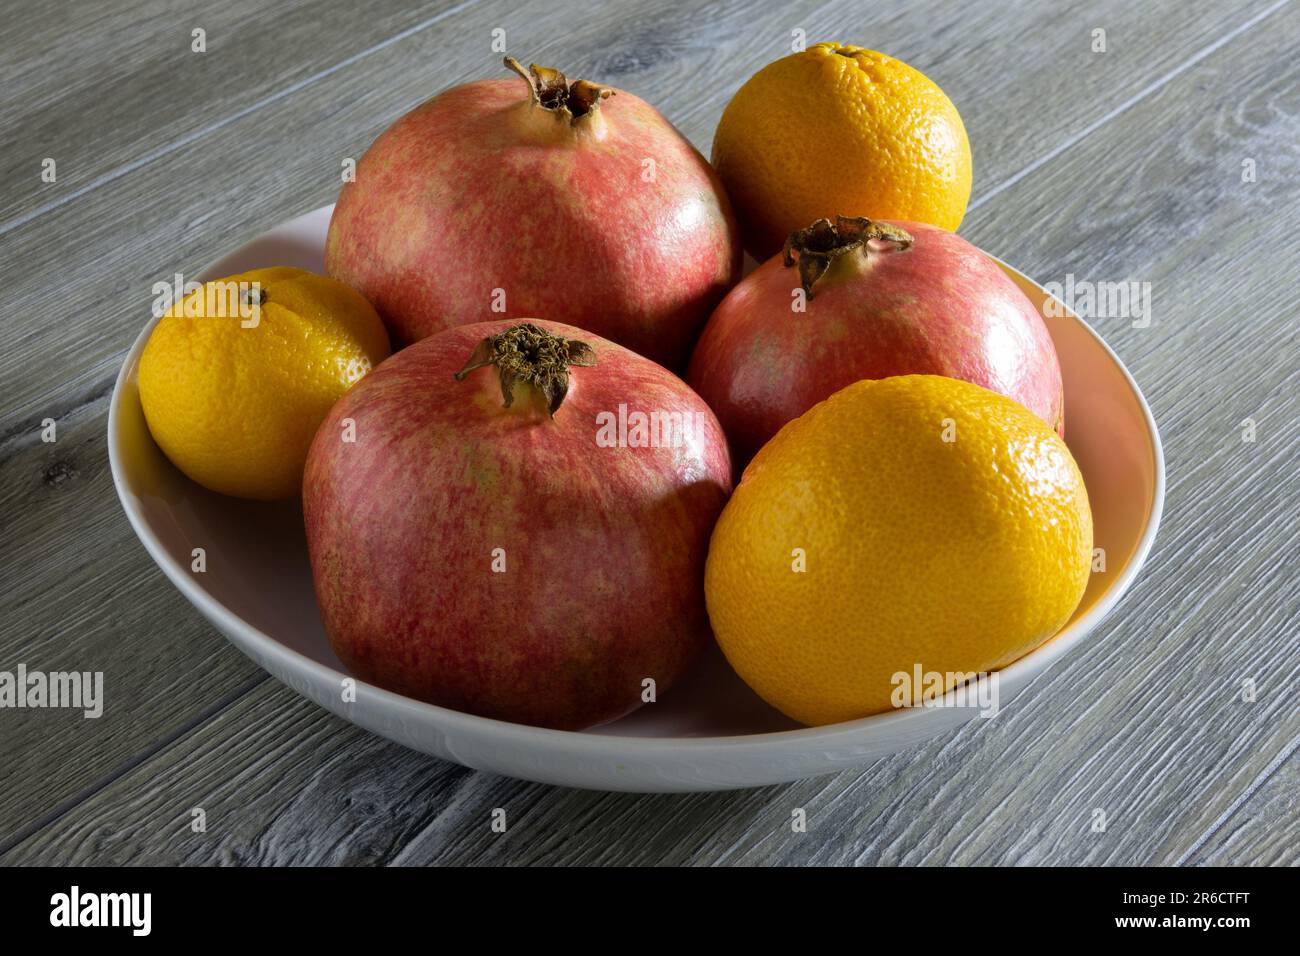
(81, 593)
(1256, 832)
(1145, 723)
(129, 74)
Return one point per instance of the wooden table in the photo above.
(1169, 158)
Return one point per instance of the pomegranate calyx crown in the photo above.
(532, 356)
(552, 90)
(825, 241)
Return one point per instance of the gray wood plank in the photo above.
(1145, 723)
(1251, 834)
(80, 593)
(99, 87)
(374, 793)
(216, 197)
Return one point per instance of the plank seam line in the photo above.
(52, 817)
(1239, 801)
(1152, 87)
(24, 429)
(115, 174)
(463, 788)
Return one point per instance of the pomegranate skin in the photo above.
(940, 307)
(481, 204)
(598, 583)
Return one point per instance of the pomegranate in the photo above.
(569, 201)
(523, 539)
(869, 299)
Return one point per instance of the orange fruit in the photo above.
(234, 397)
(909, 520)
(840, 130)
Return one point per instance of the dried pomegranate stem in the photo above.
(524, 353)
(823, 242)
(552, 90)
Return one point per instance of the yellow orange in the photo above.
(839, 130)
(915, 520)
(233, 397)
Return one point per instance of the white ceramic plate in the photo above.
(711, 732)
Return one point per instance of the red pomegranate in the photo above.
(523, 538)
(869, 299)
(570, 201)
